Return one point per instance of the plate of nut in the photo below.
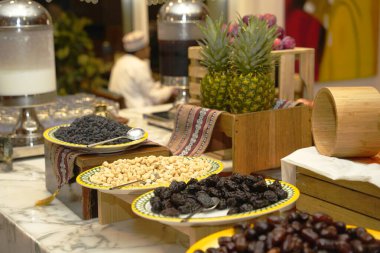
(142, 174)
(215, 200)
(296, 232)
(91, 129)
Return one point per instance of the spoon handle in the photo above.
(191, 214)
(121, 185)
(105, 141)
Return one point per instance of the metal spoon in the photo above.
(132, 134)
(156, 176)
(121, 185)
(215, 200)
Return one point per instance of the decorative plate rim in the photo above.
(49, 135)
(80, 181)
(265, 210)
(210, 240)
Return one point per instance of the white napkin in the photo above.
(330, 167)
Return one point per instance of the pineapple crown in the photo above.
(251, 49)
(215, 50)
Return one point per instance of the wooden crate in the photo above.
(356, 203)
(84, 201)
(260, 139)
(289, 85)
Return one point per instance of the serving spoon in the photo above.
(132, 134)
(215, 200)
(156, 176)
(121, 185)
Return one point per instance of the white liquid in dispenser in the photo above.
(26, 82)
(27, 61)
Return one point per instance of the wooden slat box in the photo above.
(83, 201)
(260, 139)
(356, 203)
(289, 86)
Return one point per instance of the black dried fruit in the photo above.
(170, 212)
(178, 199)
(296, 233)
(205, 199)
(92, 128)
(245, 208)
(270, 196)
(176, 186)
(241, 193)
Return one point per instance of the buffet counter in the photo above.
(25, 227)
(55, 228)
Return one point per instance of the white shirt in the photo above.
(131, 77)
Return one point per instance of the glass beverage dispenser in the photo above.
(177, 30)
(27, 65)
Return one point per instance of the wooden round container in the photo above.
(346, 121)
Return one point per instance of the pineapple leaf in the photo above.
(214, 45)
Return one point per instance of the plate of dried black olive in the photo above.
(297, 232)
(91, 129)
(240, 197)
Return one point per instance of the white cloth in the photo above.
(131, 77)
(330, 167)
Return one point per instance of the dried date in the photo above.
(238, 193)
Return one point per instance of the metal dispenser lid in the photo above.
(23, 13)
(183, 11)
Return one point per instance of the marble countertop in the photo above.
(55, 228)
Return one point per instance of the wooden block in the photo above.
(260, 139)
(307, 73)
(197, 71)
(286, 76)
(224, 154)
(310, 204)
(114, 208)
(92, 160)
(196, 233)
(344, 197)
(364, 187)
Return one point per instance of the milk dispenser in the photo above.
(27, 65)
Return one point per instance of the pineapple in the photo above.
(215, 53)
(252, 85)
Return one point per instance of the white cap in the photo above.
(134, 41)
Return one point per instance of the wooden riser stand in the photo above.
(356, 203)
(259, 140)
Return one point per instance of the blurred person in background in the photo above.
(131, 75)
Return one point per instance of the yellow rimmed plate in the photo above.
(141, 206)
(211, 241)
(138, 188)
(49, 135)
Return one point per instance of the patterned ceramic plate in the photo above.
(211, 241)
(49, 135)
(141, 206)
(138, 188)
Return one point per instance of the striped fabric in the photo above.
(193, 130)
(63, 160)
